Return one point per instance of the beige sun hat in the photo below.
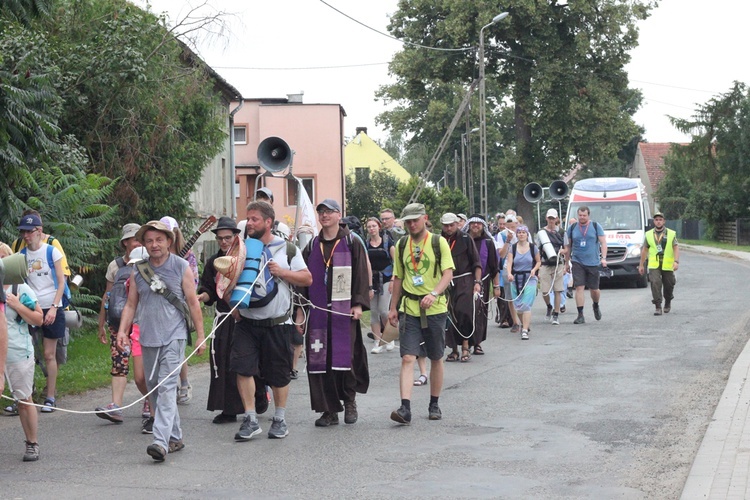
(229, 267)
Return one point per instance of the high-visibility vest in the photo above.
(667, 263)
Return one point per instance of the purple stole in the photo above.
(340, 290)
(483, 255)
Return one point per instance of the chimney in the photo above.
(361, 129)
(295, 98)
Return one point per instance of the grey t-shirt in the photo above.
(160, 321)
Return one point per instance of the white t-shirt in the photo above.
(281, 303)
(41, 278)
(20, 346)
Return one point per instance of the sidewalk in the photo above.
(721, 469)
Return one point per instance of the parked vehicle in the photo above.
(620, 205)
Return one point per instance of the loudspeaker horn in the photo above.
(274, 154)
(558, 190)
(533, 192)
(15, 269)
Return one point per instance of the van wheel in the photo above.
(642, 281)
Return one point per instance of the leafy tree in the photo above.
(710, 177)
(557, 89)
(369, 193)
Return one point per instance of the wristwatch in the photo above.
(434, 293)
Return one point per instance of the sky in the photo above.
(689, 52)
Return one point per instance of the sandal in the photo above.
(422, 380)
(478, 351)
(452, 357)
(465, 356)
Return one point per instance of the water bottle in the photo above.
(106, 308)
(126, 351)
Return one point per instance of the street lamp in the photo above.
(483, 209)
(466, 152)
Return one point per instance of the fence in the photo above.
(735, 233)
(688, 229)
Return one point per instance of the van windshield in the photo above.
(616, 216)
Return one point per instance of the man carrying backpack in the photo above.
(110, 312)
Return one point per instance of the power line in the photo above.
(464, 49)
(676, 87)
(668, 104)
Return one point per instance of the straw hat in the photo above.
(229, 267)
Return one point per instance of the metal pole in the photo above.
(482, 130)
(463, 165)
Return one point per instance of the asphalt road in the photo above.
(609, 409)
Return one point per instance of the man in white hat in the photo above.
(553, 270)
(162, 300)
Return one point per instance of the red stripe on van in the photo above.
(627, 197)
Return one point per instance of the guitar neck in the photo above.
(189, 244)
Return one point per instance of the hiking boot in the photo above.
(278, 429)
(175, 446)
(667, 306)
(248, 429)
(597, 312)
(515, 329)
(658, 310)
(579, 320)
(156, 452)
(184, 395)
(525, 335)
(434, 411)
(111, 412)
(146, 410)
(555, 319)
(327, 419)
(548, 317)
(402, 415)
(147, 425)
(32, 452)
(350, 412)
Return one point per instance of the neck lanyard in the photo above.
(415, 261)
(330, 258)
(586, 231)
(661, 236)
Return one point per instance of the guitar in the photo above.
(204, 227)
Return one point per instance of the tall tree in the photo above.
(557, 89)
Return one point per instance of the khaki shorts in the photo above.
(547, 274)
(20, 376)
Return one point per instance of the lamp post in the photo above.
(468, 188)
(483, 120)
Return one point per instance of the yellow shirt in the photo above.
(408, 269)
(55, 243)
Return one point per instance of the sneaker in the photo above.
(562, 309)
(49, 405)
(370, 335)
(32, 452)
(248, 429)
(402, 415)
(390, 346)
(184, 395)
(327, 419)
(555, 319)
(548, 317)
(147, 425)
(175, 446)
(146, 410)
(261, 401)
(658, 311)
(597, 312)
(569, 293)
(111, 412)
(350, 412)
(667, 306)
(434, 411)
(278, 429)
(579, 320)
(11, 410)
(378, 349)
(294, 375)
(156, 452)
(515, 329)
(525, 335)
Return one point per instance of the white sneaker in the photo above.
(525, 335)
(378, 349)
(390, 346)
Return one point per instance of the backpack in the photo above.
(435, 249)
(268, 282)
(118, 296)
(51, 264)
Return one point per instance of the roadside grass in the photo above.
(89, 365)
(717, 244)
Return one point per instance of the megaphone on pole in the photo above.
(533, 192)
(274, 154)
(558, 190)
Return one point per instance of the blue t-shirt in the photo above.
(584, 243)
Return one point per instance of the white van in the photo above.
(620, 205)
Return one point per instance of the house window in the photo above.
(240, 134)
(309, 185)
